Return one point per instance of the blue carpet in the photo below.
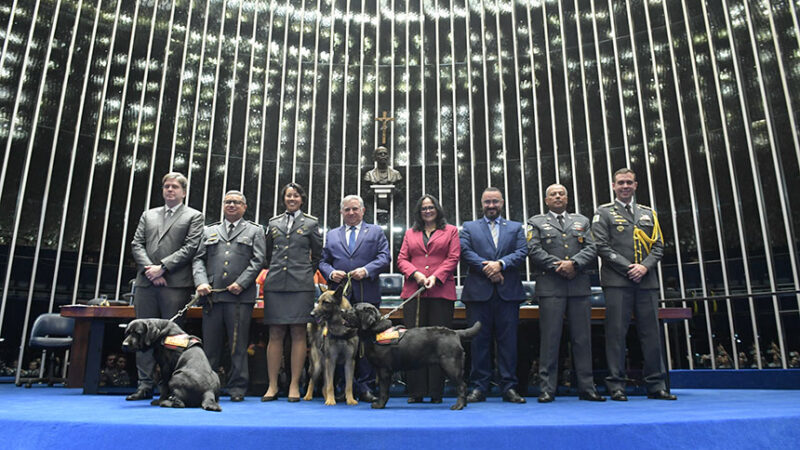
(45, 418)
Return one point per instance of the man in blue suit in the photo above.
(494, 249)
(361, 250)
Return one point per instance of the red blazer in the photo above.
(439, 259)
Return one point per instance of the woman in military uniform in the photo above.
(294, 249)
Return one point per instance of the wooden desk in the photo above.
(90, 322)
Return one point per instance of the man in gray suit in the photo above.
(563, 254)
(163, 246)
(630, 244)
(230, 257)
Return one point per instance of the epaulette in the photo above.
(311, 217)
(606, 205)
(644, 207)
(253, 223)
(277, 217)
(214, 224)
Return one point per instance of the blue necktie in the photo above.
(351, 241)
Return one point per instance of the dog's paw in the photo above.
(155, 402)
(330, 401)
(378, 405)
(166, 403)
(458, 406)
(211, 406)
(352, 401)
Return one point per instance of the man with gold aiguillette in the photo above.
(630, 244)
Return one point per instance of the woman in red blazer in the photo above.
(428, 257)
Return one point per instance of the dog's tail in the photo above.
(469, 332)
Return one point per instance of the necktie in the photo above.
(628, 210)
(168, 215)
(289, 217)
(230, 228)
(561, 221)
(351, 240)
(495, 231)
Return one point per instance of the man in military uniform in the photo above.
(630, 244)
(563, 254)
(230, 258)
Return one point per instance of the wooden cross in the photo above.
(384, 126)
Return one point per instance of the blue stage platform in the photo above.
(49, 418)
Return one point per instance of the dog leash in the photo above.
(412, 297)
(192, 302)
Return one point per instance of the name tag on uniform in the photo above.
(244, 240)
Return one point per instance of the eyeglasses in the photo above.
(233, 202)
(428, 208)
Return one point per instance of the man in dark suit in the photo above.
(494, 249)
(630, 244)
(163, 246)
(361, 250)
(562, 255)
(230, 257)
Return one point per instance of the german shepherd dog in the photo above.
(331, 343)
(186, 375)
(419, 347)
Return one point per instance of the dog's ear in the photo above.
(323, 288)
(150, 333)
(339, 293)
(381, 325)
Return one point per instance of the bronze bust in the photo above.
(383, 173)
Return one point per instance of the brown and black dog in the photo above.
(418, 347)
(331, 343)
(186, 375)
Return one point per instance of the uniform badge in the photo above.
(596, 218)
(548, 241)
(300, 231)
(620, 228)
(530, 234)
(580, 239)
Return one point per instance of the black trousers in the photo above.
(423, 312)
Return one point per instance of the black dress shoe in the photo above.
(512, 396)
(414, 399)
(546, 397)
(141, 394)
(592, 396)
(237, 398)
(661, 395)
(368, 397)
(476, 396)
(619, 396)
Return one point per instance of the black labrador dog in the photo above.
(418, 347)
(186, 376)
(331, 343)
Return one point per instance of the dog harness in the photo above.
(181, 342)
(390, 336)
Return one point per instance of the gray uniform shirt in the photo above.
(549, 243)
(226, 258)
(292, 255)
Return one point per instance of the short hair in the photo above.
(177, 176)
(547, 191)
(347, 198)
(297, 188)
(492, 189)
(239, 193)
(623, 171)
(419, 224)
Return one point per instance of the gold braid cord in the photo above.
(642, 243)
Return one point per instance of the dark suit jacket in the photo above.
(477, 246)
(371, 253)
(172, 244)
(223, 259)
(439, 259)
(548, 243)
(612, 229)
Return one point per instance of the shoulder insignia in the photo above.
(277, 217)
(644, 207)
(596, 218)
(253, 223)
(607, 205)
(214, 224)
(310, 216)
